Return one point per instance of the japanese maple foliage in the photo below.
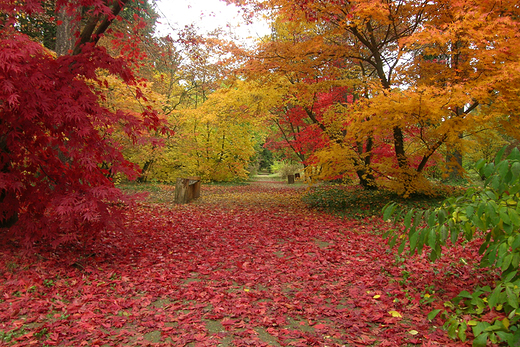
(295, 133)
(54, 136)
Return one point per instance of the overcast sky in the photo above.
(207, 15)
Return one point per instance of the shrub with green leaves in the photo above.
(491, 213)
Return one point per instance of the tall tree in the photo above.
(298, 52)
(424, 68)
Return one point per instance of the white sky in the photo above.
(206, 15)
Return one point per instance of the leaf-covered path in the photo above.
(244, 266)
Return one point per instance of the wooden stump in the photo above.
(187, 189)
(290, 179)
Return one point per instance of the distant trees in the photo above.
(423, 76)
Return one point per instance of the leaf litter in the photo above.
(242, 266)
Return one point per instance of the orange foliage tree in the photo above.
(419, 71)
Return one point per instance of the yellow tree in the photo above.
(214, 141)
(135, 100)
(208, 139)
(181, 73)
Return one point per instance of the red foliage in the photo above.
(55, 150)
(53, 136)
(299, 132)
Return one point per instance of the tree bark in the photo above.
(97, 25)
(364, 173)
(187, 189)
(8, 216)
(65, 39)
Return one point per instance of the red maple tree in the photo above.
(54, 135)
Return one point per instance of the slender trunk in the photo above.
(147, 165)
(364, 173)
(65, 38)
(408, 176)
(400, 152)
(8, 214)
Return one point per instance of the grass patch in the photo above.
(134, 187)
(355, 202)
(267, 177)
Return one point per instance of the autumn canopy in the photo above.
(393, 87)
(392, 99)
(387, 93)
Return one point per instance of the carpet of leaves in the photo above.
(242, 266)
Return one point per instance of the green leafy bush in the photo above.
(491, 213)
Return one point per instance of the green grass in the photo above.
(267, 177)
(134, 187)
(355, 202)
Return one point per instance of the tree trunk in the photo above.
(408, 175)
(366, 179)
(454, 160)
(187, 189)
(8, 214)
(65, 39)
(146, 167)
(365, 175)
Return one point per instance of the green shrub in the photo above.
(491, 213)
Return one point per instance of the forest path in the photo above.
(244, 265)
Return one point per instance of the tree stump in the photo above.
(187, 189)
(290, 179)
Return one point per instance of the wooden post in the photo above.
(181, 191)
(187, 189)
(194, 187)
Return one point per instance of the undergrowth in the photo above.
(355, 202)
